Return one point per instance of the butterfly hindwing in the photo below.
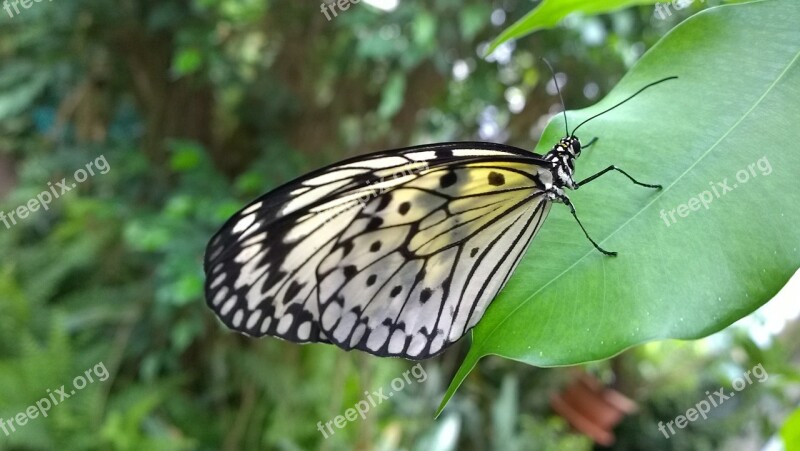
(396, 253)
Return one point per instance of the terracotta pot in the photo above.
(592, 408)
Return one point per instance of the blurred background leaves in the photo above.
(201, 105)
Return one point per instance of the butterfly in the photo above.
(396, 253)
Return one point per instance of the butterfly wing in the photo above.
(394, 253)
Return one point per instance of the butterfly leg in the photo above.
(568, 203)
(614, 168)
(590, 143)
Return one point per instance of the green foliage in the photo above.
(550, 12)
(701, 272)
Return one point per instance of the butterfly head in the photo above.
(570, 145)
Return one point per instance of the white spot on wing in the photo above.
(417, 345)
(217, 251)
(332, 313)
(254, 240)
(251, 322)
(436, 345)
(218, 280)
(221, 294)
(244, 223)
(304, 331)
(228, 305)
(238, 317)
(422, 156)
(265, 324)
(378, 163)
(357, 334)
(397, 342)
(285, 323)
(377, 337)
(252, 208)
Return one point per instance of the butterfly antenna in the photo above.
(563, 106)
(620, 104)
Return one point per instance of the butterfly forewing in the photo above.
(395, 254)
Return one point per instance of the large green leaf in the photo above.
(550, 12)
(732, 113)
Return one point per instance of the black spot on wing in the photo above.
(404, 207)
(448, 179)
(350, 271)
(496, 179)
(374, 223)
(425, 295)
